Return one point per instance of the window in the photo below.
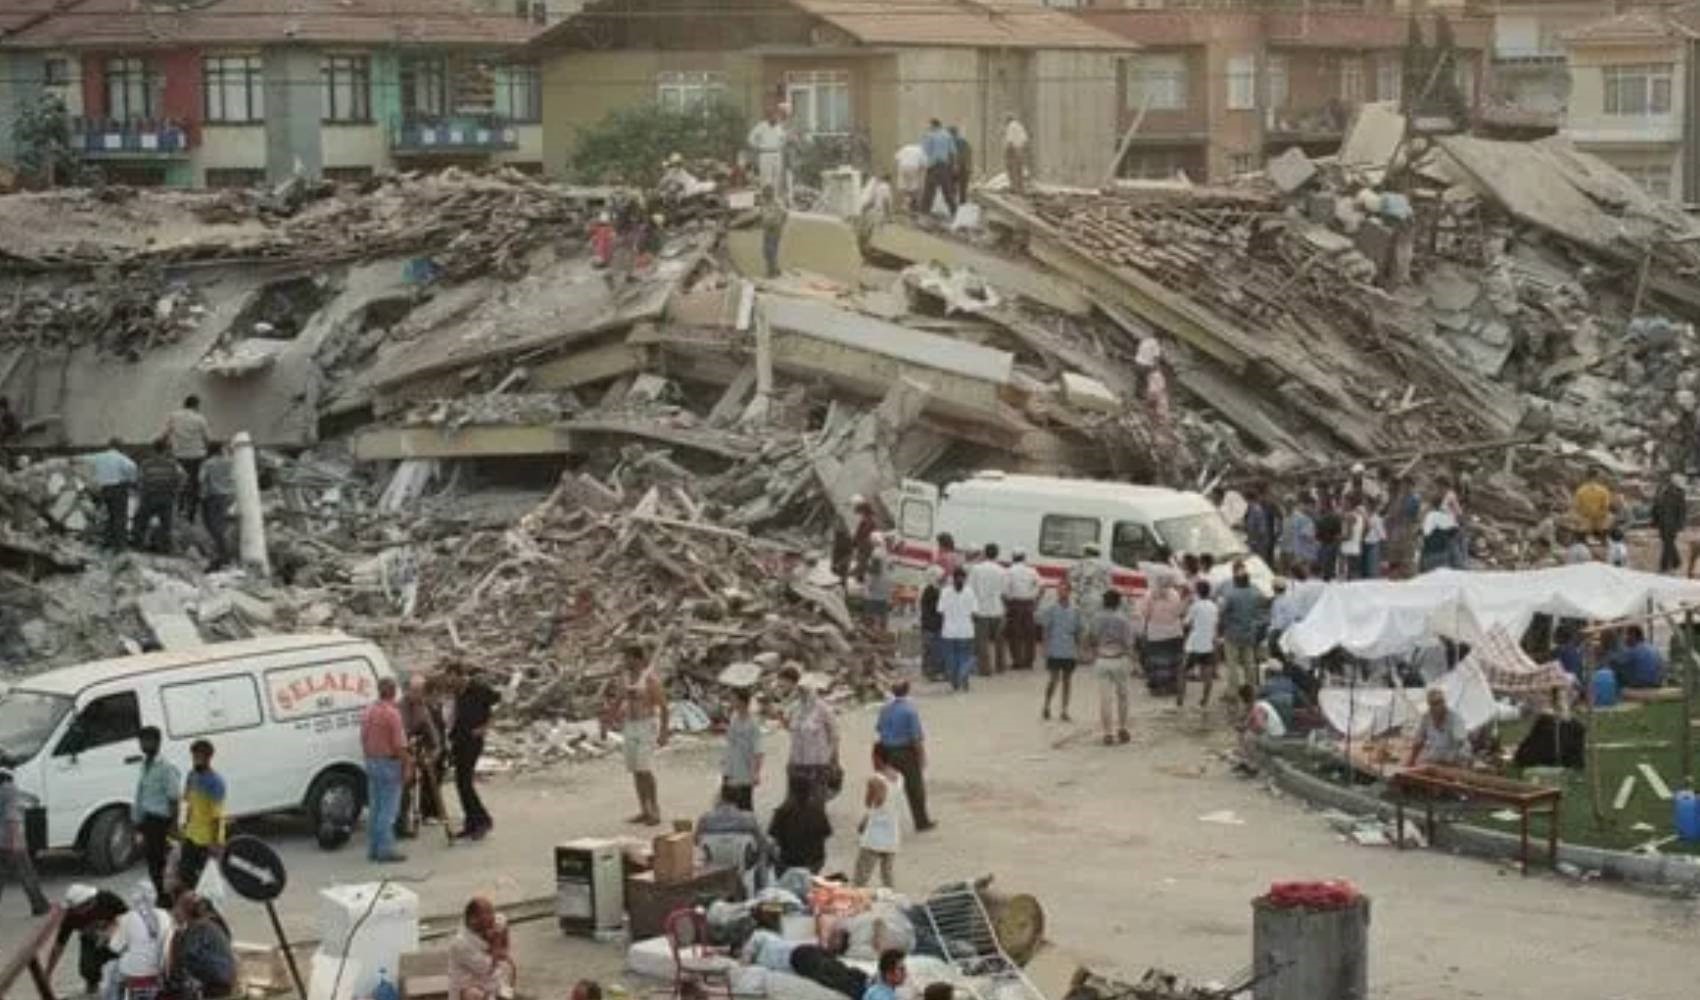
(820, 101)
(1242, 163)
(201, 708)
(425, 87)
(916, 518)
(1065, 536)
(347, 88)
(27, 722)
(1157, 82)
(56, 71)
(1653, 178)
(519, 92)
(1351, 80)
(129, 88)
(1389, 78)
(1242, 83)
(1132, 544)
(233, 89)
(689, 91)
(235, 177)
(1275, 76)
(106, 720)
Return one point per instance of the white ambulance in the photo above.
(282, 712)
(1054, 519)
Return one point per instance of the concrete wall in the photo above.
(1074, 115)
(293, 140)
(1586, 120)
(530, 146)
(938, 83)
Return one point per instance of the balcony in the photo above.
(1623, 130)
(452, 135)
(1319, 123)
(146, 138)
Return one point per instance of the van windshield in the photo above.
(1199, 534)
(27, 719)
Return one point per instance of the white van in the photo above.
(1053, 519)
(283, 715)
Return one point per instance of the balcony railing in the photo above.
(428, 135)
(142, 137)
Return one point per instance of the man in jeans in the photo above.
(990, 583)
(161, 478)
(1242, 621)
(14, 851)
(154, 811)
(114, 475)
(383, 739)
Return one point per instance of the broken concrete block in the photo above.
(1088, 393)
(1291, 170)
(1375, 135)
(646, 388)
(918, 247)
(821, 244)
(252, 608)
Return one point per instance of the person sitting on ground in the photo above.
(799, 827)
(90, 914)
(481, 967)
(892, 975)
(138, 941)
(731, 835)
(1262, 718)
(768, 948)
(1442, 736)
(1637, 664)
(202, 962)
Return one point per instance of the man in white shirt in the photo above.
(1021, 600)
(189, 435)
(1202, 617)
(138, 939)
(990, 583)
(1015, 153)
(767, 145)
(956, 630)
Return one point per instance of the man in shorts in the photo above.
(635, 702)
(1201, 619)
(1060, 625)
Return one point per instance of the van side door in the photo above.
(96, 762)
(225, 711)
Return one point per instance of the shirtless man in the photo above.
(634, 701)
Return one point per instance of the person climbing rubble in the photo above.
(114, 475)
(161, 478)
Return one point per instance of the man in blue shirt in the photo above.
(1637, 665)
(154, 811)
(114, 475)
(891, 975)
(940, 151)
(900, 735)
(1569, 652)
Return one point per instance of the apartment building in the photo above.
(1218, 87)
(1631, 101)
(230, 92)
(1529, 80)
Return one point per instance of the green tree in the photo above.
(630, 144)
(42, 133)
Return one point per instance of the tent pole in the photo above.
(1685, 738)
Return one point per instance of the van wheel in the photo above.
(335, 799)
(111, 843)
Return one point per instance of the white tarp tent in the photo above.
(1376, 618)
(1364, 712)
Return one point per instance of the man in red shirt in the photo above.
(383, 739)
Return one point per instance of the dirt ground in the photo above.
(1110, 841)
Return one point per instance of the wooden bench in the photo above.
(1434, 785)
(27, 956)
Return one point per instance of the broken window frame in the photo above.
(130, 80)
(519, 92)
(687, 91)
(241, 73)
(1643, 81)
(351, 72)
(809, 91)
(1162, 75)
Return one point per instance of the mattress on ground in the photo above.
(653, 958)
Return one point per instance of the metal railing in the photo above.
(427, 134)
(134, 137)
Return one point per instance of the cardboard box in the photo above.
(675, 857)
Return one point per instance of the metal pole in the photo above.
(288, 956)
(1685, 738)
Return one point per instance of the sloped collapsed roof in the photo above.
(1639, 26)
(85, 24)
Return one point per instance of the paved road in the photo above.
(1108, 838)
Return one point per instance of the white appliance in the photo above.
(590, 888)
(371, 929)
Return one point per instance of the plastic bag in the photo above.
(212, 886)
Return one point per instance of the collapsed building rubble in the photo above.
(699, 429)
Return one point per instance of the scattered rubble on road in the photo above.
(405, 346)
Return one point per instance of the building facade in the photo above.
(1529, 80)
(1632, 100)
(1218, 88)
(847, 71)
(232, 92)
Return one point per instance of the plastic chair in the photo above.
(693, 959)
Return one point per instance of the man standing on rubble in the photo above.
(218, 495)
(637, 703)
(1021, 600)
(1670, 516)
(940, 150)
(1259, 527)
(161, 479)
(1015, 154)
(188, 433)
(114, 475)
(990, 582)
(773, 217)
(767, 145)
(961, 165)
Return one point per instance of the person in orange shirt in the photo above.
(1593, 504)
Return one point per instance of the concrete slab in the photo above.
(1087, 393)
(1375, 134)
(915, 246)
(1290, 171)
(383, 444)
(823, 244)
